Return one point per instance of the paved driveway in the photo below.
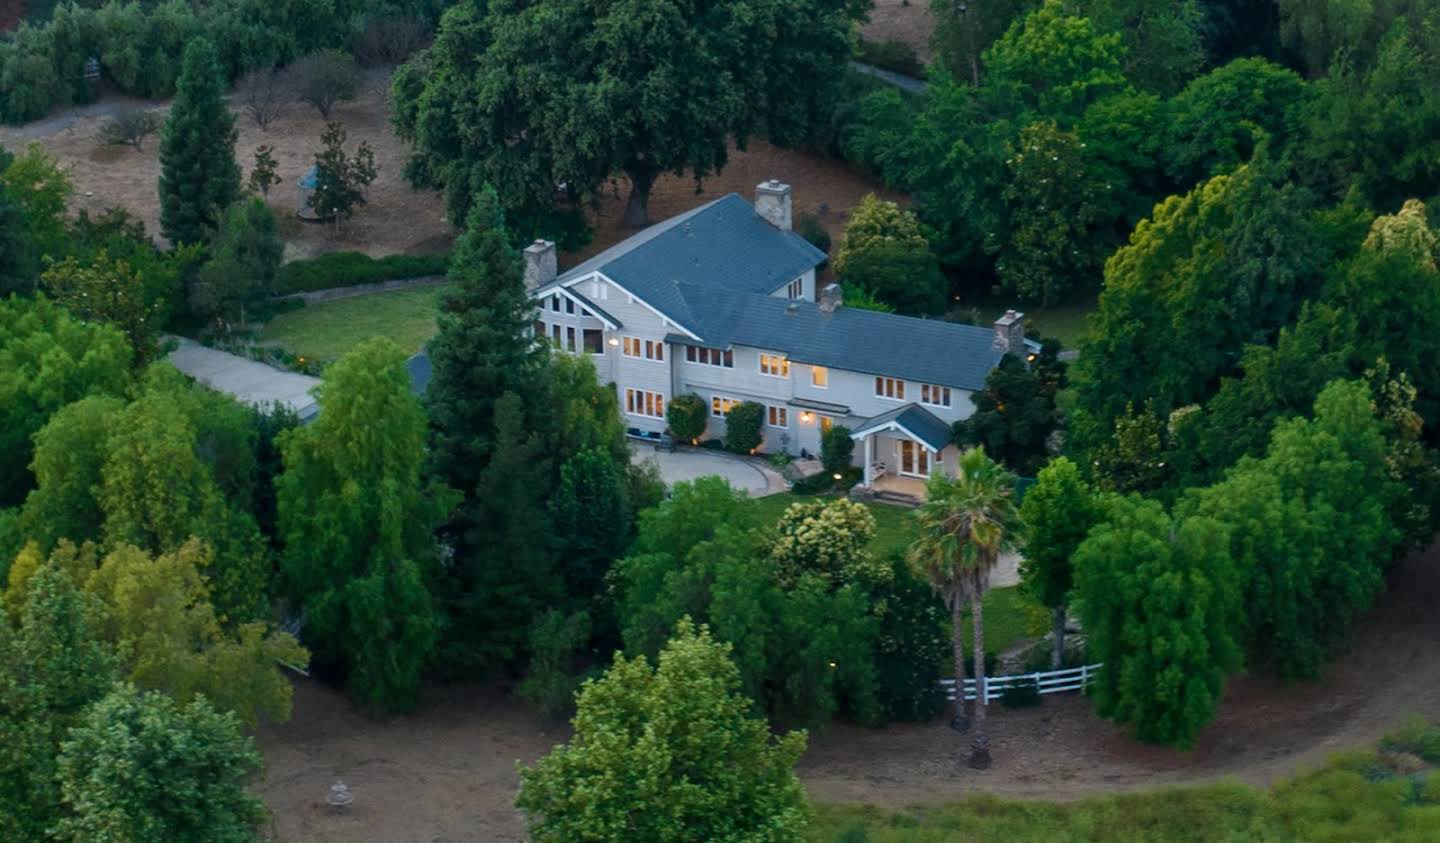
(685, 464)
(249, 381)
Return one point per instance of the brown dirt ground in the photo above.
(448, 772)
(910, 21)
(399, 219)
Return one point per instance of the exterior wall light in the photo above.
(806, 417)
(614, 340)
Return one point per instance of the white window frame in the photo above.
(934, 395)
(796, 289)
(891, 389)
(823, 381)
(721, 405)
(637, 401)
(771, 361)
(772, 411)
(655, 351)
(599, 331)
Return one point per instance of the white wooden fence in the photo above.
(1048, 682)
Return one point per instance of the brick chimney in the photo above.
(831, 297)
(772, 202)
(1010, 333)
(540, 265)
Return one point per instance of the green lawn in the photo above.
(1065, 322)
(1010, 615)
(327, 330)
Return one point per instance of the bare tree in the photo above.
(323, 79)
(130, 127)
(264, 95)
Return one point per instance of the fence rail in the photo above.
(1046, 682)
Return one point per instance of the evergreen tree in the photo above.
(358, 519)
(484, 350)
(198, 174)
(591, 518)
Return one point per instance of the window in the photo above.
(555, 334)
(936, 396)
(774, 366)
(540, 329)
(631, 346)
(569, 305)
(642, 402)
(710, 356)
(825, 424)
(777, 416)
(599, 290)
(555, 302)
(570, 339)
(819, 377)
(890, 388)
(648, 349)
(796, 289)
(654, 350)
(720, 406)
(594, 340)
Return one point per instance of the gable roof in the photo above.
(912, 419)
(866, 341)
(722, 244)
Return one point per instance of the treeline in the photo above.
(1034, 156)
(139, 45)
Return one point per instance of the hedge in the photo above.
(346, 269)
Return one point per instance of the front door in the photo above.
(914, 459)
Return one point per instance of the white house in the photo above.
(721, 301)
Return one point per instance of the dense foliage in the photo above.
(665, 749)
(199, 178)
(640, 88)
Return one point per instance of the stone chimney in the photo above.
(540, 265)
(772, 202)
(1010, 333)
(831, 297)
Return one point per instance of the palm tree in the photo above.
(966, 523)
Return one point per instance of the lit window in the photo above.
(890, 388)
(935, 396)
(643, 402)
(631, 347)
(720, 406)
(826, 423)
(774, 366)
(778, 416)
(819, 377)
(654, 350)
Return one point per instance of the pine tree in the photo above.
(198, 174)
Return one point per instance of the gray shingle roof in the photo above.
(921, 350)
(722, 244)
(915, 419)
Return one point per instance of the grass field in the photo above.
(1355, 798)
(1065, 322)
(1010, 615)
(327, 330)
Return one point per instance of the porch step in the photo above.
(897, 498)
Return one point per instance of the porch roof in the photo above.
(912, 420)
(819, 406)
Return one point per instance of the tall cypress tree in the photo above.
(482, 351)
(198, 174)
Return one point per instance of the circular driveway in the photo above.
(684, 464)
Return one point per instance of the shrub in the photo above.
(344, 269)
(130, 128)
(837, 450)
(808, 225)
(1415, 737)
(686, 415)
(551, 681)
(893, 55)
(1023, 695)
(742, 427)
(824, 482)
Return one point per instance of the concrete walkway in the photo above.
(249, 381)
(899, 80)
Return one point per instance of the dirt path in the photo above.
(448, 772)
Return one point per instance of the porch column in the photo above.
(869, 456)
